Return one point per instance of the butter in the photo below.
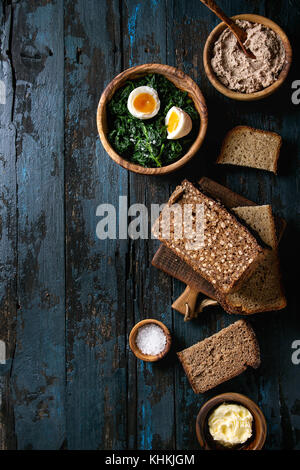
(230, 424)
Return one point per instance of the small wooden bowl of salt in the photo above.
(150, 340)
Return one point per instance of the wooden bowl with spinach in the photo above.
(141, 145)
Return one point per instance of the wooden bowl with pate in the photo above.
(136, 344)
(182, 82)
(259, 426)
(246, 96)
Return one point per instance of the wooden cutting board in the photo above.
(166, 261)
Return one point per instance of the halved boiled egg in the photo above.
(143, 102)
(178, 123)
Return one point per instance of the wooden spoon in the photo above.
(239, 33)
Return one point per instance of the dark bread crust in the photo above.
(228, 135)
(208, 375)
(280, 301)
(256, 359)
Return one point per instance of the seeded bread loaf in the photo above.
(246, 146)
(229, 253)
(263, 290)
(221, 357)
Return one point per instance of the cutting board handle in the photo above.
(187, 303)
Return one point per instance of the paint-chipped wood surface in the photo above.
(68, 300)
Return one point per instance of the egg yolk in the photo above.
(144, 103)
(173, 122)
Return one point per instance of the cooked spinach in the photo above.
(145, 141)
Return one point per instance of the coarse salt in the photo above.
(151, 339)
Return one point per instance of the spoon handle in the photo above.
(239, 32)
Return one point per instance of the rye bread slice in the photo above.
(263, 290)
(230, 252)
(255, 148)
(221, 357)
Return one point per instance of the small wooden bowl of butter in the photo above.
(182, 82)
(231, 421)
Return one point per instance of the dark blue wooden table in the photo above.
(69, 300)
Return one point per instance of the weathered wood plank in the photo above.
(275, 391)
(96, 270)
(272, 388)
(38, 371)
(144, 27)
(8, 303)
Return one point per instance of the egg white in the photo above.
(137, 91)
(184, 125)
